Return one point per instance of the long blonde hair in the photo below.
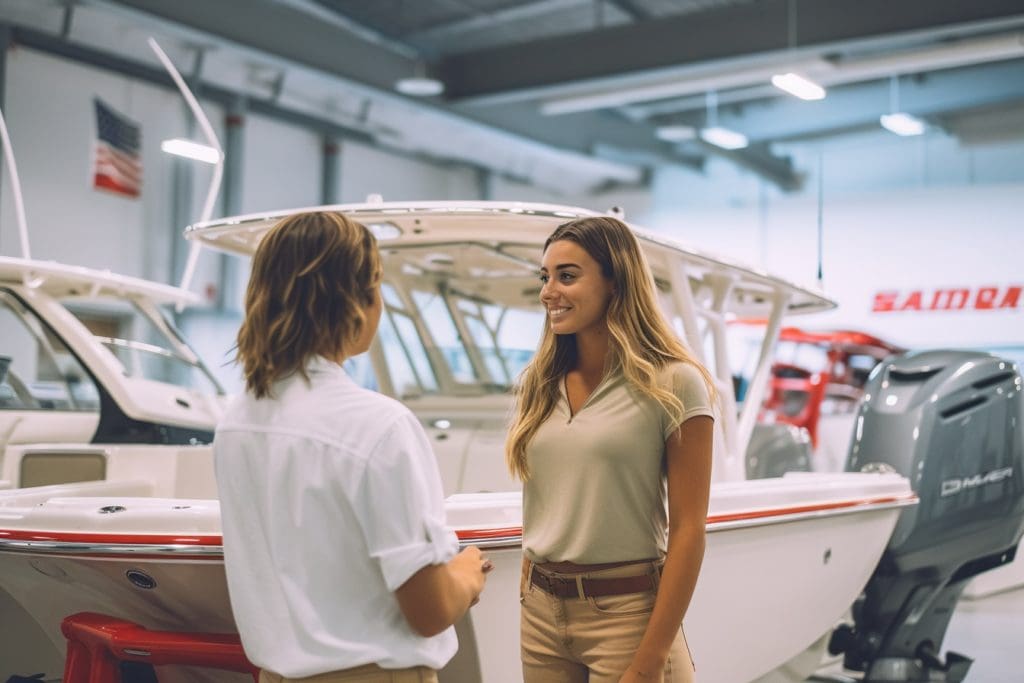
(313, 275)
(641, 340)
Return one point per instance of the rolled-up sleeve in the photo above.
(400, 504)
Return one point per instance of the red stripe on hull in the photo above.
(89, 538)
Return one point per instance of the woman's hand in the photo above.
(646, 674)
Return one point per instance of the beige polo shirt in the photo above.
(597, 490)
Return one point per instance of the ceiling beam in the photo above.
(731, 32)
(853, 106)
(760, 160)
(288, 31)
(739, 85)
(631, 9)
(527, 11)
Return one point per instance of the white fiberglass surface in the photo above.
(17, 504)
(782, 495)
(484, 510)
(123, 514)
(804, 488)
(83, 506)
(766, 593)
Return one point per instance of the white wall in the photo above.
(904, 215)
(281, 165)
(50, 115)
(636, 202)
(366, 171)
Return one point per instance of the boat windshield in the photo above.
(458, 319)
(37, 370)
(144, 340)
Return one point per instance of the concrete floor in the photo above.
(989, 630)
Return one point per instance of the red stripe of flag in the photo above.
(107, 183)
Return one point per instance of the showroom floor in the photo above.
(990, 631)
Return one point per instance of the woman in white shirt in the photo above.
(338, 561)
(612, 437)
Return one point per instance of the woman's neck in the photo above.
(592, 352)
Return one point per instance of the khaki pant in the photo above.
(569, 640)
(371, 673)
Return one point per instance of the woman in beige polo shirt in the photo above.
(612, 438)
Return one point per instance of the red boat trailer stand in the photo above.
(98, 643)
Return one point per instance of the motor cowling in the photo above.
(775, 449)
(951, 422)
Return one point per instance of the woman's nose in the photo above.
(546, 293)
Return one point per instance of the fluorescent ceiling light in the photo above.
(419, 86)
(675, 133)
(802, 87)
(724, 138)
(191, 150)
(902, 123)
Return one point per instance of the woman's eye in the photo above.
(543, 278)
(566, 277)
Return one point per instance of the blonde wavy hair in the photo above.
(641, 340)
(313, 275)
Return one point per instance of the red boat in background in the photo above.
(817, 380)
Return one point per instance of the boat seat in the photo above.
(97, 644)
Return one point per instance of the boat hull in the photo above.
(785, 558)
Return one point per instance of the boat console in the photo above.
(950, 421)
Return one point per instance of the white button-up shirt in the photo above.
(330, 500)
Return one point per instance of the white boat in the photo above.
(88, 355)
(786, 557)
(784, 561)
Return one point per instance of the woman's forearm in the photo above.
(678, 580)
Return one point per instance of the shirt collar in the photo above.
(318, 365)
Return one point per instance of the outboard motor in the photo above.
(951, 422)
(777, 448)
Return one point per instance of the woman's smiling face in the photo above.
(574, 290)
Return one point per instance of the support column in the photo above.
(330, 175)
(229, 289)
(5, 44)
(484, 184)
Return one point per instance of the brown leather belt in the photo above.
(574, 587)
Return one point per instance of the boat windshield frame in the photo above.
(171, 348)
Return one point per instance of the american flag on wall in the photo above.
(118, 166)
